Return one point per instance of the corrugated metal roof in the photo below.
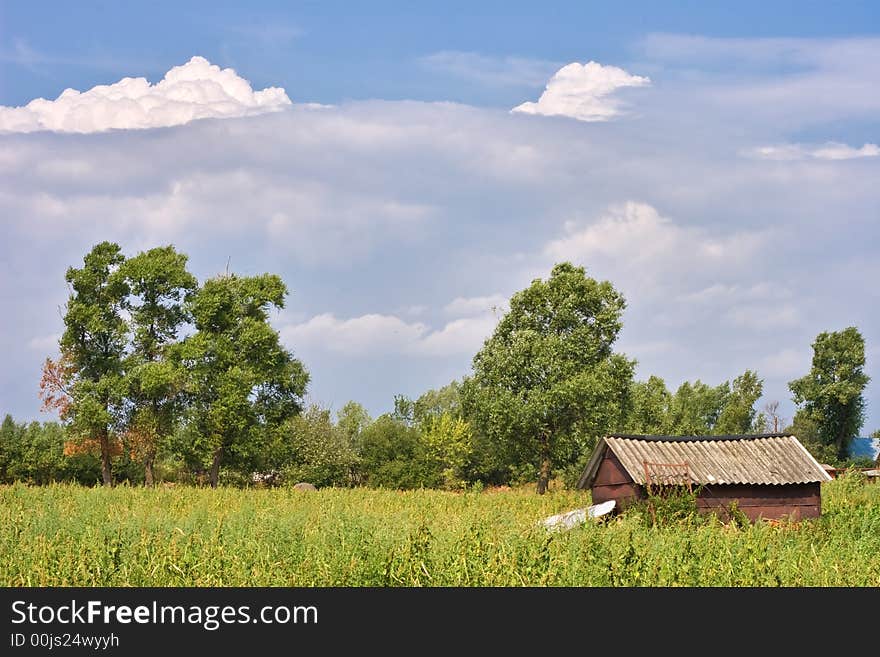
(760, 459)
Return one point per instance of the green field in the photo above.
(66, 535)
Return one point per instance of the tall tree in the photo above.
(695, 407)
(831, 395)
(648, 411)
(548, 378)
(437, 402)
(242, 384)
(351, 420)
(8, 444)
(159, 284)
(738, 415)
(392, 455)
(86, 383)
(318, 452)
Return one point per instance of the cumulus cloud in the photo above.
(374, 334)
(371, 334)
(584, 92)
(195, 90)
(828, 151)
(636, 236)
(462, 336)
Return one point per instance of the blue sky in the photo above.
(717, 163)
(330, 51)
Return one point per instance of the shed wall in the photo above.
(772, 502)
(765, 501)
(614, 483)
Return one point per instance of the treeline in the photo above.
(424, 443)
(163, 379)
(428, 442)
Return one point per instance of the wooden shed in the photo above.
(768, 475)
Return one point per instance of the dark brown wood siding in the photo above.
(771, 502)
(614, 483)
(755, 501)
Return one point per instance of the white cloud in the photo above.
(460, 336)
(828, 151)
(468, 306)
(316, 221)
(583, 92)
(371, 334)
(383, 335)
(638, 237)
(195, 90)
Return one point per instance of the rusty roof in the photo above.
(774, 459)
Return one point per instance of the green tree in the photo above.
(86, 383)
(436, 402)
(648, 411)
(159, 285)
(9, 442)
(547, 379)
(320, 453)
(448, 447)
(447, 437)
(695, 408)
(831, 395)
(351, 420)
(393, 455)
(242, 384)
(38, 453)
(738, 415)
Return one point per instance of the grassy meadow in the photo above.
(66, 535)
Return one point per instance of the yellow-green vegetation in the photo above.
(64, 535)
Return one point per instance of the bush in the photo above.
(669, 506)
(393, 456)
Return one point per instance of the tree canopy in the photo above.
(241, 381)
(87, 384)
(831, 395)
(547, 379)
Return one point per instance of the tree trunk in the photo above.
(841, 440)
(214, 474)
(148, 471)
(106, 473)
(544, 472)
